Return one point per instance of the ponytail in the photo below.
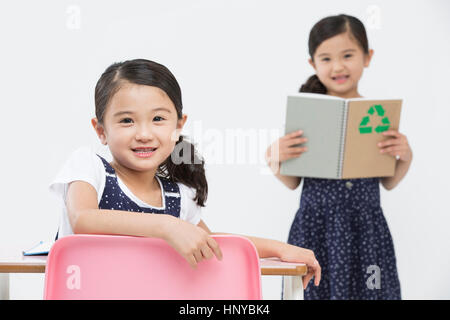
(191, 170)
(313, 85)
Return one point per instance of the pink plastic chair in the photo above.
(124, 267)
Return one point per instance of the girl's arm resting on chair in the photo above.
(99, 221)
(191, 241)
(272, 248)
(86, 217)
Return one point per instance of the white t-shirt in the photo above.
(86, 166)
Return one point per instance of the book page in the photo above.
(321, 121)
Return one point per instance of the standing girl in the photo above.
(342, 220)
(156, 185)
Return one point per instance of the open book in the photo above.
(342, 136)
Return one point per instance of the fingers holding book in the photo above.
(287, 147)
(397, 145)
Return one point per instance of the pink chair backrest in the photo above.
(125, 267)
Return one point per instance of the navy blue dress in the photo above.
(343, 223)
(113, 198)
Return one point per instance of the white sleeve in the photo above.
(190, 211)
(83, 164)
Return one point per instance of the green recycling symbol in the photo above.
(364, 126)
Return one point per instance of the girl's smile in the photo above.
(143, 152)
(340, 79)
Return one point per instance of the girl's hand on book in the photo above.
(296, 254)
(285, 148)
(398, 146)
(192, 242)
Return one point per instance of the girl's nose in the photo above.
(338, 66)
(144, 133)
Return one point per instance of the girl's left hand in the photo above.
(397, 146)
(293, 253)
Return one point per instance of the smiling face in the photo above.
(339, 62)
(140, 126)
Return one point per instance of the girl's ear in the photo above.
(180, 125)
(311, 62)
(181, 122)
(368, 58)
(100, 130)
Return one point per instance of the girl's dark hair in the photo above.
(327, 28)
(149, 73)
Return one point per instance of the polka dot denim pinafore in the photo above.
(113, 198)
(343, 223)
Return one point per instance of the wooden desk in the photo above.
(12, 261)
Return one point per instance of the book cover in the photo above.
(366, 120)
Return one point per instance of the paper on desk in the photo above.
(42, 248)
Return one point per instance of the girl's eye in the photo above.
(158, 118)
(348, 56)
(326, 59)
(126, 120)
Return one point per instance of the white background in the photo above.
(235, 61)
